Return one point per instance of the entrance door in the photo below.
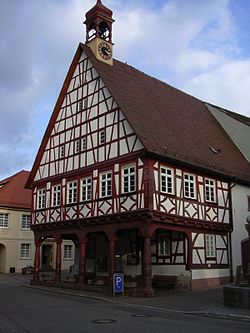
(245, 255)
(2, 258)
(46, 258)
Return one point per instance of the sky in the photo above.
(201, 47)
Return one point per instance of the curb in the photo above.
(104, 299)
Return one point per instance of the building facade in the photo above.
(135, 172)
(16, 238)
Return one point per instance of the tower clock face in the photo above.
(105, 50)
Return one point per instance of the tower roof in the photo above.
(99, 9)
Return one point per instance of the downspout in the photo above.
(230, 233)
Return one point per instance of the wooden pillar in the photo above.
(58, 260)
(82, 260)
(111, 265)
(37, 261)
(147, 267)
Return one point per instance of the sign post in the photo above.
(118, 284)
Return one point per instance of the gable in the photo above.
(86, 110)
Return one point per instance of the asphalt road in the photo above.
(24, 309)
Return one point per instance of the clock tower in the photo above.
(99, 32)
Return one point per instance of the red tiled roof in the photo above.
(13, 193)
(170, 122)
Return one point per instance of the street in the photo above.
(25, 309)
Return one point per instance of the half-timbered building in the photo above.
(135, 172)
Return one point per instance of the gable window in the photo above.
(25, 221)
(167, 180)
(61, 151)
(86, 189)
(84, 143)
(163, 244)
(128, 179)
(210, 246)
(189, 186)
(41, 198)
(106, 184)
(72, 192)
(25, 251)
(102, 137)
(210, 190)
(80, 106)
(56, 195)
(77, 146)
(4, 220)
(68, 251)
(85, 103)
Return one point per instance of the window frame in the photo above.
(84, 143)
(190, 184)
(41, 198)
(102, 137)
(210, 248)
(163, 241)
(130, 175)
(62, 151)
(54, 195)
(106, 181)
(86, 189)
(74, 192)
(68, 254)
(167, 177)
(210, 189)
(26, 250)
(4, 221)
(27, 223)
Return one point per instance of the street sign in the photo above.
(118, 283)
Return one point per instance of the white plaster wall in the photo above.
(240, 213)
(209, 273)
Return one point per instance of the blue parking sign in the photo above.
(118, 285)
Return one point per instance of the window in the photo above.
(67, 251)
(167, 180)
(210, 190)
(25, 251)
(4, 220)
(85, 104)
(41, 198)
(61, 151)
(72, 192)
(25, 221)
(128, 179)
(56, 195)
(189, 186)
(84, 143)
(248, 202)
(86, 189)
(106, 184)
(102, 138)
(80, 106)
(210, 246)
(77, 146)
(163, 245)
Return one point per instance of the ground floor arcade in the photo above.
(143, 249)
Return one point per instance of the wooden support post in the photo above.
(82, 260)
(36, 271)
(58, 260)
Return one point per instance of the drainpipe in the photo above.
(234, 183)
